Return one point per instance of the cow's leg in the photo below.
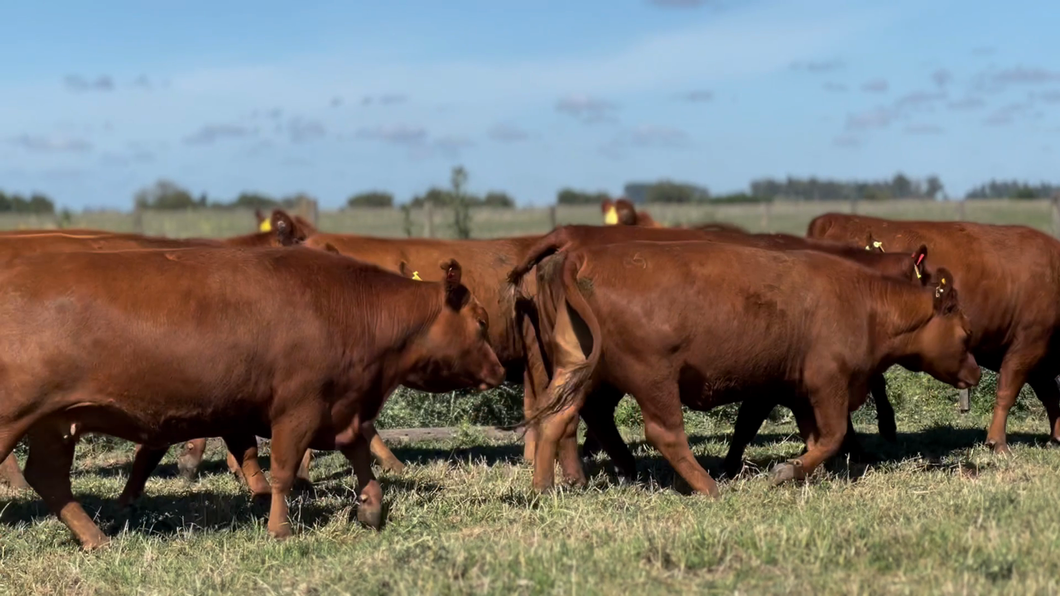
(386, 458)
(10, 473)
(290, 439)
(753, 412)
(831, 417)
(145, 460)
(1013, 374)
(599, 415)
(243, 451)
(1048, 393)
(530, 400)
(51, 454)
(190, 458)
(301, 478)
(884, 411)
(664, 427)
(370, 508)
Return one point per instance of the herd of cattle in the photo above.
(300, 336)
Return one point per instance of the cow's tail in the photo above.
(573, 379)
(548, 245)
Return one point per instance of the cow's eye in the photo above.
(482, 323)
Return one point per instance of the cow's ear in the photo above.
(456, 295)
(329, 247)
(945, 293)
(919, 263)
(283, 225)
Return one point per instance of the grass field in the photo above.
(938, 513)
(790, 217)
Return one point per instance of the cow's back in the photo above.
(182, 323)
(1008, 276)
(737, 318)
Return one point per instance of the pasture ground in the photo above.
(937, 514)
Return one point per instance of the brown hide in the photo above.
(751, 416)
(487, 263)
(162, 346)
(708, 323)
(1009, 285)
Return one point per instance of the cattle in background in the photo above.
(710, 323)
(1007, 277)
(604, 434)
(160, 346)
(265, 224)
(622, 212)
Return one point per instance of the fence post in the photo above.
(138, 219)
(767, 208)
(853, 205)
(551, 217)
(961, 216)
(964, 400)
(1056, 214)
(430, 218)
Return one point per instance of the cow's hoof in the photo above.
(370, 517)
(785, 472)
(280, 531)
(1000, 448)
(393, 466)
(186, 471)
(95, 543)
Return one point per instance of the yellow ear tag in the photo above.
(878, 245)
(266, 225)
(416, 276)
(611, 217)
(917, 269)
(939, 290)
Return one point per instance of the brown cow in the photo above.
(488, 262)
(286, 232)
(160, 346)
(265, 223)
(1009, 288)
(709, 323)
(622, 212)
(752, 413)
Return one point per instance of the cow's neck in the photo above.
(900, 311)
(390, 322)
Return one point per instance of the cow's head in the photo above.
(287, 230)
(454, 351)
(942, 344)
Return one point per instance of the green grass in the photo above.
(938, 514)
(790, 217)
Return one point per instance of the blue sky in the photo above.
(332, 98)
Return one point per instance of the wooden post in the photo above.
(430, 218)
(853, 205)
(767, 209)
(964, 401)
(1056, 214)
(961, 215)
(551, 217)
(138, 219)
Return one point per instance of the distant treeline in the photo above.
(165, 194)
(35, 203)
(1013, 189)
